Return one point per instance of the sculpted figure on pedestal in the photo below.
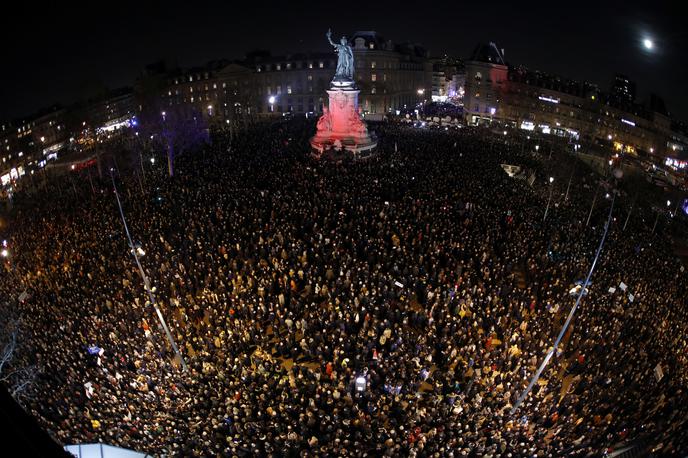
(325, 121)
(345, 62)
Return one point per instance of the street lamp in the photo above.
(4, 253)
(551, 180)
(272, 100)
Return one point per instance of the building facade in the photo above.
(390, 77)
(533, 100)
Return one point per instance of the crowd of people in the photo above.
(393, 306)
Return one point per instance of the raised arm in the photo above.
(329, 38)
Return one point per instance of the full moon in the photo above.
(648, 43)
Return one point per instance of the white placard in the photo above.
(623, 286)
(659, 373)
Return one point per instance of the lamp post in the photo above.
(668, 204)
(593, 203)
(551, 180)
(271, 100)
(553, 350)
(566, 197)
(146, 282)
(630, 211)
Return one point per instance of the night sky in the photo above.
(59, 53)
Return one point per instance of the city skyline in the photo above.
(68, 55)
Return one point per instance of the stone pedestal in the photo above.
(341, 127)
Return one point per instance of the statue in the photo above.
(325, 121)
(345, 63)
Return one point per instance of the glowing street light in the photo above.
(272, 99)
(152, 160)
(4, 253)
(551, 180)
(421, 91)
(648, 43)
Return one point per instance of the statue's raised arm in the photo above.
(329, 38)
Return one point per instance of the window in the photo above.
(372, 65)
(224, 85)
(278, 67)
(373, 77)
(478, 76)
(371, 45)
(310, 77)
(384, 77)
(288, 65)
(190, 78)
(310, 64)
(214, 85)
(288, 89)
(373, 90)
(321, 64)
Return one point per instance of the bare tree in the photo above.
(15, 373)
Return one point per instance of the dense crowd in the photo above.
(395, 306)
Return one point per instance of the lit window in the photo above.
(190, 78)
(288, 65)
(190, 89)
(192, 99)
(372, 64)
(310, 77)
(214, 85)
(373, 77)
(278, 67)
(384, 77)
(371, 45)
(310, 64)
(321, 64)
(288, 89)
(373, 90)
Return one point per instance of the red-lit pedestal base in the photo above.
(341, 128)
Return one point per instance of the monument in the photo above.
(341, 127)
